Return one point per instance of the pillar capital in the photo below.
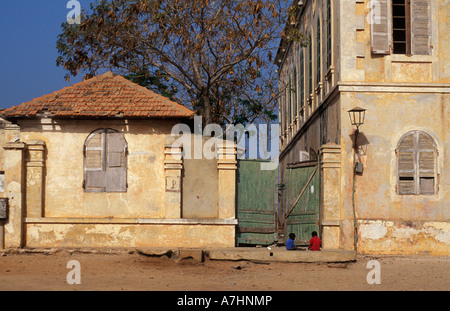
(14, 146)
(226, 156)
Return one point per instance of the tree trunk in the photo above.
(206, 103)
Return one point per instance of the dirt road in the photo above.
(134, 272)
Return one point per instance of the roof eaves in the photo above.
(285, 43)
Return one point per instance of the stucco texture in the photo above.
(389, 222)
(64, 194)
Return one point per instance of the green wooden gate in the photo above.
(257, 203)
(302, 195)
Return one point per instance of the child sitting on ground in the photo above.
(315, 242)
(290, 245)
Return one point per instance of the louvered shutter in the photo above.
(95, 178)
(406, 171)
(420, 27)
(93, 152)
(427, 155)
(417, 164)
(116, 171)
(380, 27)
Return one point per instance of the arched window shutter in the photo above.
(105, 162)
(406, 173)
(427, 156)
(116, 172)
(416, 164)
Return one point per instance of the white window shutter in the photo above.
(105, 168)
(116, 171)
(95, 180)
(380, 23)
(420, 27)
(427, 164)
(406, 166)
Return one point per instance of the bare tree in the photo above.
(216, 55)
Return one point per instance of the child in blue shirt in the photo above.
(290, 245)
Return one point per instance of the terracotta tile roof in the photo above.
(107, 95)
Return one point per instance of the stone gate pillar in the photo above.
(173, 166)
(330, 201)
(227, 166)
(15, 192)
(35, 179)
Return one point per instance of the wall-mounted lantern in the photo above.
(357, 117)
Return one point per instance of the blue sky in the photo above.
(28, 34)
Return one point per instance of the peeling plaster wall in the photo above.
(401, 93)
(400, 237)
(124, 235)
(358, 64)
(64, 194)
(72, 217)
(391, 223)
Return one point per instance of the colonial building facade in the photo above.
(391, 59)
(96, 165)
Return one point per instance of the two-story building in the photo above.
(388, 191)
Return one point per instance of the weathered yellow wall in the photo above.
(129, 236)
(64, 194)
(139, 217)
(359, 64)
(388, 222)
(401, 93)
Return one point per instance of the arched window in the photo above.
(105, 162)
(318, 54)
(329, 38)
(302, 79)
(416, 164)
(294, 89)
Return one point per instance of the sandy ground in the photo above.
(131, 271)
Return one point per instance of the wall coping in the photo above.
(14, 145)
(124, 221)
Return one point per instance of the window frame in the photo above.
(318, 53)
(418, 27)
(416, 172)
(310, 66)
(406, 30)
(329, 36)
(295, 94)
(302, 79)
(104, 155)
(280, 113)
(290, 102)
